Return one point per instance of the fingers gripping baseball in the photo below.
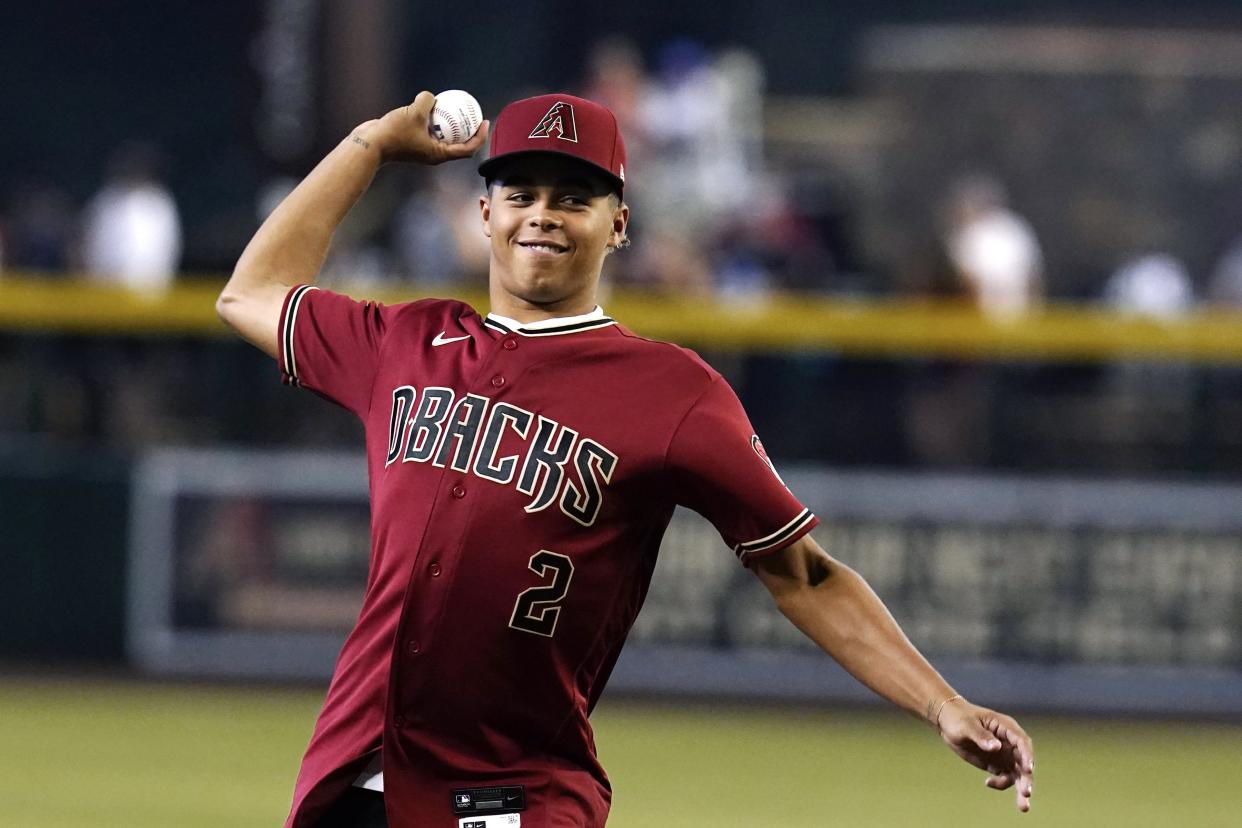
(404, 135)
(994, 743)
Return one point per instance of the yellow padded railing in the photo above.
(783, 323)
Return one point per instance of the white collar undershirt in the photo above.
(555, 322)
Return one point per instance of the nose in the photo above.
(545, 222)
(545, 217)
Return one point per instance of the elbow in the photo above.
(789, 604)
(226, 305)
(232, 299)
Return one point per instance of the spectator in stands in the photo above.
(770, 244)
(669, 262)
(617, 78)
(1153, 284)
(1148, 403)
(992, 250)
(1225, 287)
(133, 230)
(992, 257)
(702, 121)
(42, 229)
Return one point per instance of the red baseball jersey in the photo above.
(521, 478)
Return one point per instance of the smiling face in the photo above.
(551, 221)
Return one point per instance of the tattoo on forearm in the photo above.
(817, 572)
(364, 142)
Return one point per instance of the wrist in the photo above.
(368, 137)
(935, 707)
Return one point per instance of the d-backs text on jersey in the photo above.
(441, 429)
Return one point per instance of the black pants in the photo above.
(357, 808)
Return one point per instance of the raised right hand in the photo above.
(404, 135)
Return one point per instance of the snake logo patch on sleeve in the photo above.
(763, 455)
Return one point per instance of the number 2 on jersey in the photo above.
(538, 608)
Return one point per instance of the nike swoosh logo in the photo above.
(441, 339)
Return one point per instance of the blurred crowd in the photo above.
(714, 214)
(992, 256)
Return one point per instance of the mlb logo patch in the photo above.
(463, 799)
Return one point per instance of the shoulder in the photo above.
(387, 315)
(669, 376)
(431, 308)
(423, 314)
(670, 356)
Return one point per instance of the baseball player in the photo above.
(523, 466)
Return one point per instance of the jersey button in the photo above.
(459, 491)
(498, 381)
(434, 569)
(413, 648)
(398, 720)
(510, 344)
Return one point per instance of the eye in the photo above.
(519, 197)
(575, 200)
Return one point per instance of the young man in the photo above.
(523, 468)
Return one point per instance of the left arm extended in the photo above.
(839, 611)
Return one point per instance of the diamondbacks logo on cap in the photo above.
(558, 120)
(763, 455)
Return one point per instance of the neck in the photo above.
(523, 310)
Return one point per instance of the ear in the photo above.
(620, 220)
(485, 211)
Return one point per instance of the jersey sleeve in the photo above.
(719, 469)
(330, 344)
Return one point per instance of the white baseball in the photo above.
(456, 116)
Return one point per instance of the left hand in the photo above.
(992, 742)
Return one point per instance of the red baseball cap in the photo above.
(563, 124)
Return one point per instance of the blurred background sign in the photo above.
(1061, 593)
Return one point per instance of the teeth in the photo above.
(544, 247)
